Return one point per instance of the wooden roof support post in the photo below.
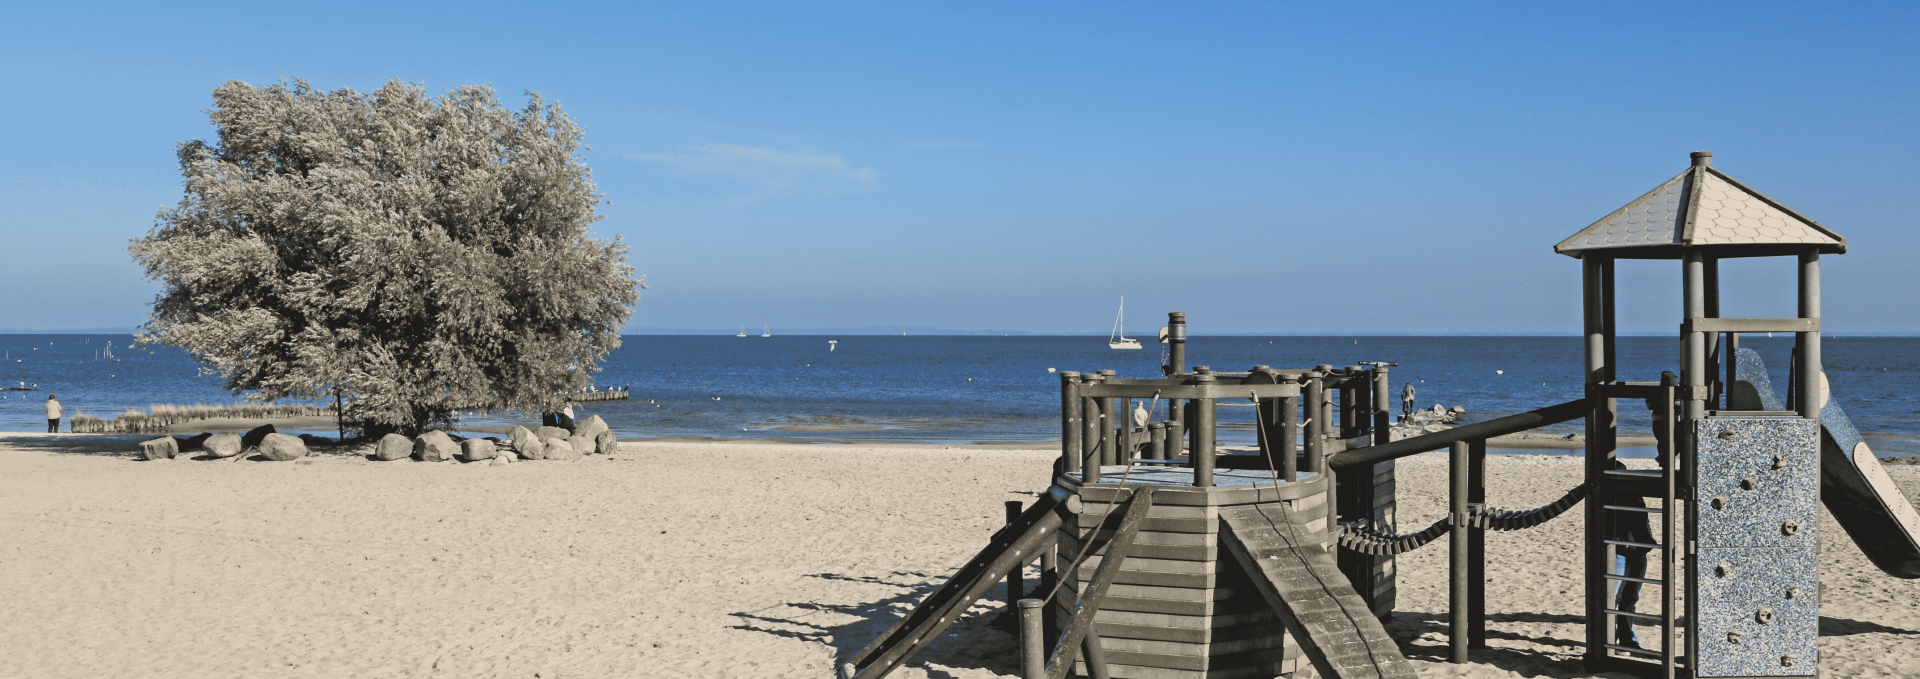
(1811, 399)
(1694, 369)
(1596, 279)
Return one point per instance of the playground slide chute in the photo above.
(1853, 486)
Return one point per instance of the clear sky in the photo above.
(1267, 167)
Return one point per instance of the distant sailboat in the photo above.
(1119, 339)
(765, 331)
(743, 330)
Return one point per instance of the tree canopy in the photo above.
(415, 256)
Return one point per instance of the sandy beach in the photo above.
(668, 559)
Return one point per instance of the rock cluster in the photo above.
(1427, 421)
(548, 443)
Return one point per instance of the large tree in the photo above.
(413, 256)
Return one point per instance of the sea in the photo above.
(965, 389)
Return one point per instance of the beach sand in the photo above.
(668, 559)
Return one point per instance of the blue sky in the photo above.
(1289, 168)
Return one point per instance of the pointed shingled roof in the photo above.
(1702, 207)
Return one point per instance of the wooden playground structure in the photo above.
(1162, 555)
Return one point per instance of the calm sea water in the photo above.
(982, 388)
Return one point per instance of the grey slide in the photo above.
(1853, 485)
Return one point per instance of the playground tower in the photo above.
(1743, 561)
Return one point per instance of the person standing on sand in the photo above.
(1406, 401)
(53, 415)
(1634, 527)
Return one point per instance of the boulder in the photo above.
(534, 449)
(475, 450)
(192, 443)
(224, 444)
(581, 443)
(434, 446)
(253, 438)
(559, 449)
(606, 443)
(282, 448)
(315, 441)
(553, 433)
(590, 428)
(524, 443)
(392, 447)
(501, 459)
(163, 448)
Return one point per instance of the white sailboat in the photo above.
(743, 330)
(765, 331)
(1119, 339)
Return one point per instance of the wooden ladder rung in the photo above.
(1633, 614)
(1624, 508)
(1629, 578)
(1634, 650)
(1629, 543)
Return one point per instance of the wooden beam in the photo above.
(1751, 325)
(1082, 622)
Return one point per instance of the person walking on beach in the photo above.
(53, 415)
(1406, 401)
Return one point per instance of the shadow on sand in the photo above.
(976, 641)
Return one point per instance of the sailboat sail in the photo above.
(1119, 339)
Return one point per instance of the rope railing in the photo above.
(1357, 537)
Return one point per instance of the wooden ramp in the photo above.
(1302, 582)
